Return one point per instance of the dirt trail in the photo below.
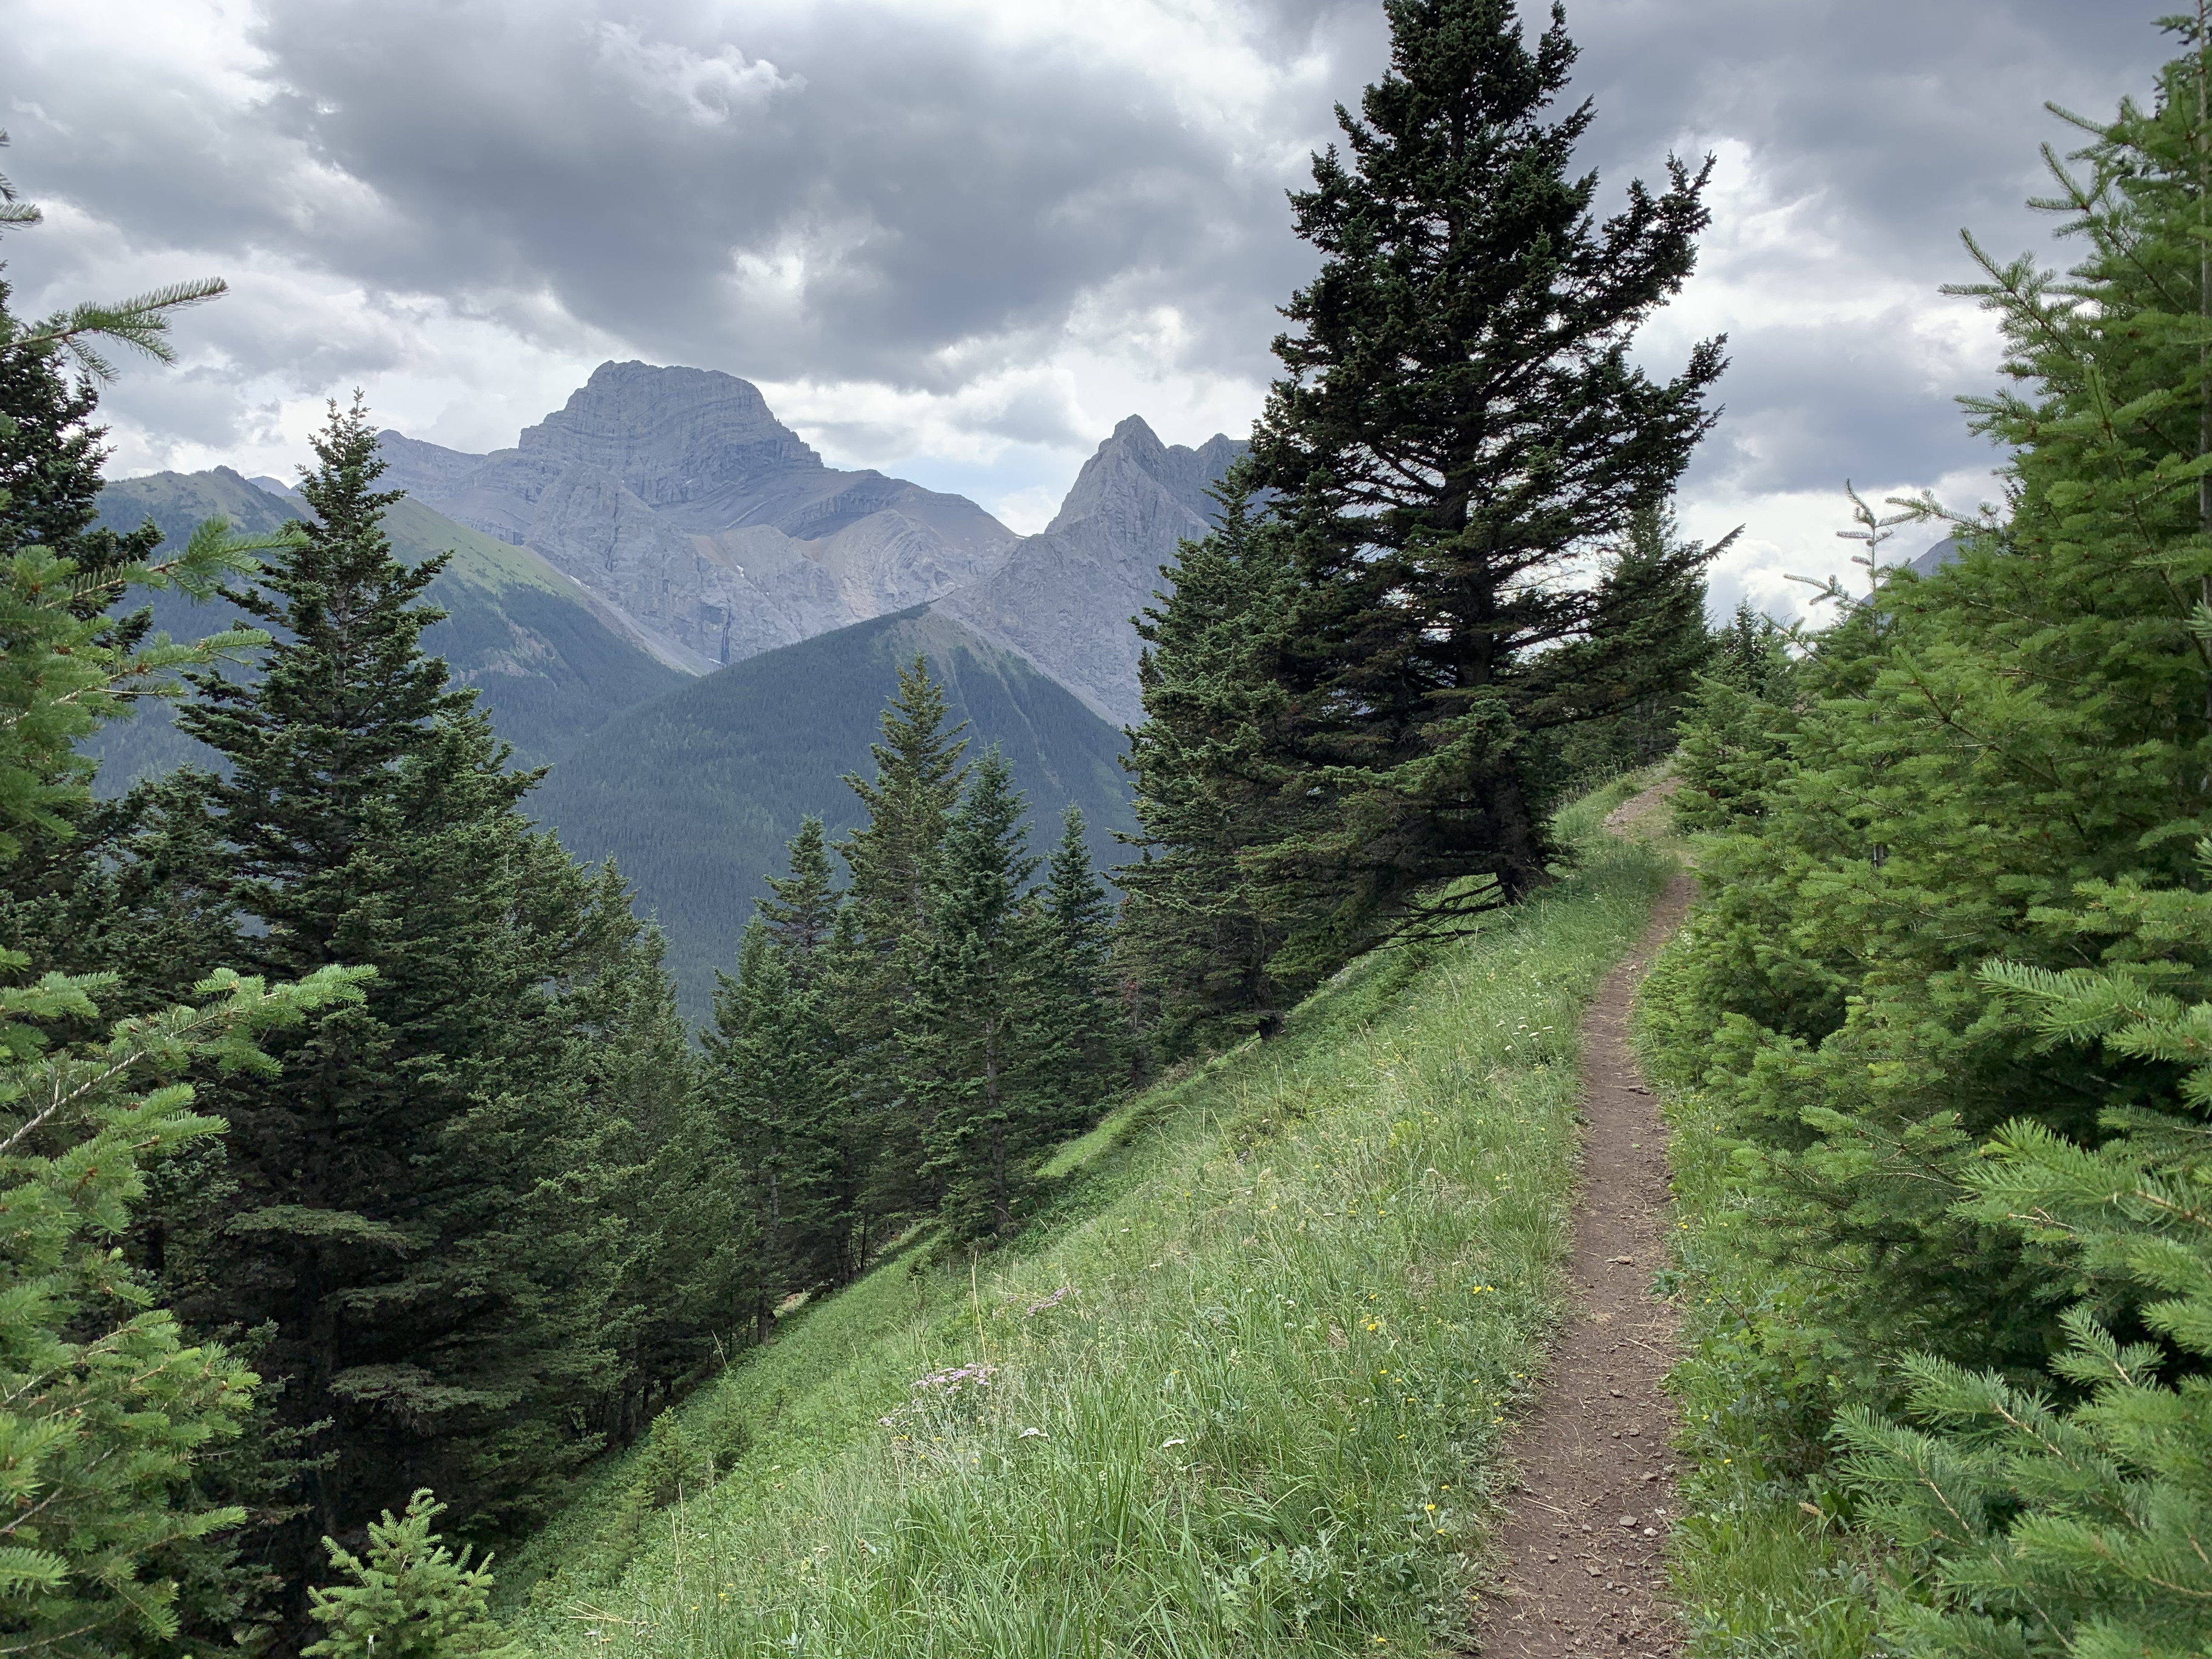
(1583, 1547)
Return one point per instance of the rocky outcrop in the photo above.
(676, 496)
(1065, 597)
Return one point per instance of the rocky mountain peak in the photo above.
(676, 497)
(671, 436)
(1133, 472)
(1064, 597)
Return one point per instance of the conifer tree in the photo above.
(1646, 646)
(966, 1033)
(775, 1083)
(411, 1598)
(1199, 932)
(1992, 761)
(803, 911)
(400, 1209)
(1458, 434)
(893, 859)
(109, 1412)
(1078, 1038)
(628, 1064)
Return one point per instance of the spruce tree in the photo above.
(1199, 932)
(111, 1412)
(108, 1411)
(803, 911)
(1994, 761)
(411, 1598)
(776, 1082)
(1079, 1043)
(1647, 644)
(673, 1219)
(893, 859)
(398, 1215)
(966, 1032)
(1458, 437)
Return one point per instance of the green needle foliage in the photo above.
(976, 1069)
(1461, 454)
(140, 323)
(893, 860)
(1956, 1269)
(1083, 1032)
(411, 1598)
(774, 1074)
(67, 664)
(2069, 1520)
(108, 1406)
(417, 1219)
(1199, 932)
(109, 1542)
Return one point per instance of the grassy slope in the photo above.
(1759, 1571)
(1250, 1377)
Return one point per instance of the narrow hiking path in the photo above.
(1582, 1551)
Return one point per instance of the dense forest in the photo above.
(366, 1185)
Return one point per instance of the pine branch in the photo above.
(140, 322)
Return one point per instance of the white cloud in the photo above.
(701, 87)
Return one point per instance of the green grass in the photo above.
(1248, 1377)
(1762, 1568)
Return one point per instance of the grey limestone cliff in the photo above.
(676, 496)
(1064, 597)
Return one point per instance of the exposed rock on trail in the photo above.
(1581, 1552)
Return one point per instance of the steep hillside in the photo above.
(551, 662)
(1240, 1391)
(676, 496)
(1064, 597)
(696, 793)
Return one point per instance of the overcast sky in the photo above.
(958, 239)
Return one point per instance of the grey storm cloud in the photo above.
(893, 194)
(931, 193)
(1900, 122)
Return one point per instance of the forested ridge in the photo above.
(1028, 1254)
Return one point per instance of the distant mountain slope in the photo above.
(676, 495)
(551, 662)
(696, 793)
(1063, 599)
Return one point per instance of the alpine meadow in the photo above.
(639, 1043)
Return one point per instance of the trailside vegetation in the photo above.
(1941, 1010)
(1239, 1389)
(1446, 553)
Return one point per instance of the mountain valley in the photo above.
(663, 594)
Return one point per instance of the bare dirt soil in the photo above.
(1581, 1549)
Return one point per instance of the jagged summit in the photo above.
(1064, 599)
(1115, 476)
(676, 495)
